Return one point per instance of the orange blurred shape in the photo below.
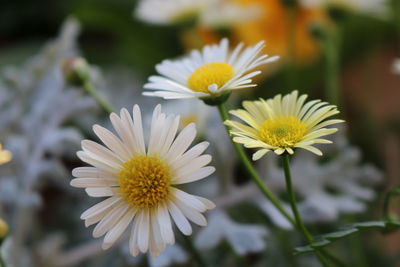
(273, 27)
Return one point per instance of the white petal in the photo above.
(118, 229)
(101, 206)
(144, 230)
(164, 222)
(180, 220)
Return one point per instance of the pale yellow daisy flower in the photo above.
(139, 180)
(282, 124)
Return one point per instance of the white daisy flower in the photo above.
(139, 180)
(167, 12)
(377, 7)
(209, 72)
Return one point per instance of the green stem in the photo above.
(386, 201)
(2, 263)
(193, 250)
(331, 50)
(253, 173)
(91, 90)
(300, 225)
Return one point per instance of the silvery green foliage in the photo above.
(6, 250)
(243, 238)
(35, 107)
(171, 256)
(341, 185)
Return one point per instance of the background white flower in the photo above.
(166, 12)
(225, 14)
(396, 66)
(371, 7)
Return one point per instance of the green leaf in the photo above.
(327, 239)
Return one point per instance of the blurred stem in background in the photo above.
(76, 72)
(195, 253)
(89, 88)
(331, 47)
(330, 42)
(251, 170)
(292, 198)
(291, 17)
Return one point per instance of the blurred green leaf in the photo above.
(327, 239)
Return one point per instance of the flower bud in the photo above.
(3, 229)
(5, 155)
(75, 70)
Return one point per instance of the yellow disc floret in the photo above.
(144, 181)
(282, 131)
(217, 73)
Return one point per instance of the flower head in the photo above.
(3, 228)
(139, 181)
(282, 124)
(373, 7)
(168, 12)
(225, 14)
(5, 155)
(208, 73)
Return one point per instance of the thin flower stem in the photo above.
(193, 250)
(253, 173)
(300, 225)
(90, 89)
(2, 263)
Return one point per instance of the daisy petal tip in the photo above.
(106, 246)
(134, 252)
(211, 205)
(212, 169)
(72, 183)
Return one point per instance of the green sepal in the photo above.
(216, 100)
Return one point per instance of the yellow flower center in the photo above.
(282, 131)
(217, 73)
(144, 181)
